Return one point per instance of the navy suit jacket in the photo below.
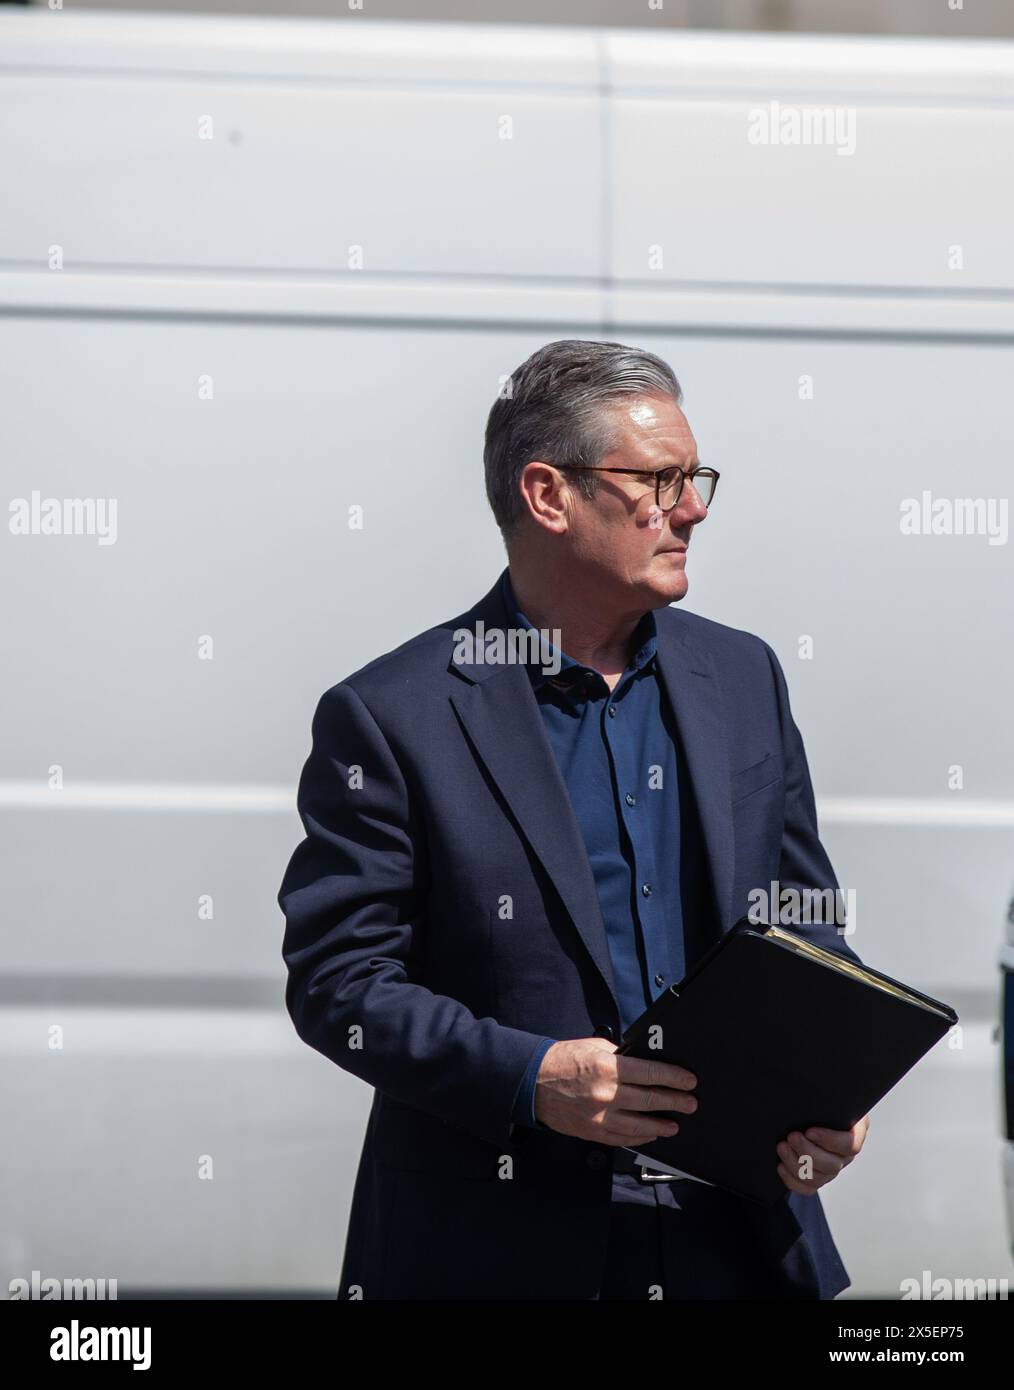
(442, 919)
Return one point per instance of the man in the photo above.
(507, 859)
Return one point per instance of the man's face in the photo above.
(636, 549)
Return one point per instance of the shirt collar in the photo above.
(645, 638)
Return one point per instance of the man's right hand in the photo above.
(585, 1089)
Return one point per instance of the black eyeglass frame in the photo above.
(656, 474)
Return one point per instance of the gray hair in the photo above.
(550, 408)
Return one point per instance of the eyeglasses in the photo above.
(668, 481)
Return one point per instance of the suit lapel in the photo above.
(502, 719)
(500, 716)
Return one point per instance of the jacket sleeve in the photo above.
(804, 863)
(354, 940)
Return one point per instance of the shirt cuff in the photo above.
(524, 1104)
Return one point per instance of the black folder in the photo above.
(781, 1035)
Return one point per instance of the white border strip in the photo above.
(915, 811)
(237, 294)
(194, 796)
(442, 302)
(147, 796)
(640, 60)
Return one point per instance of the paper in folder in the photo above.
(781, 1035)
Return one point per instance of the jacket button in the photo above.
(597, 1159)
(605, 1031)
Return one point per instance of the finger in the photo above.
(631, 1127)
(795, 1149)
(846, 1143)
(806, 1189)
(790, 1162)
(824, 1161)
(640, 1071)
(630, 1097)
(859, 1130)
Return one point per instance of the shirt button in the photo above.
(660, 980)
(646, 889)
(630, 800)
(612, 711)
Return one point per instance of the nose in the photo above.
(690, 509)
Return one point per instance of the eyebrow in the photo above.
(694, 463)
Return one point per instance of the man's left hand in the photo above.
(831, 1151)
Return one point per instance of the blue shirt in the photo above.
(616, 751)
